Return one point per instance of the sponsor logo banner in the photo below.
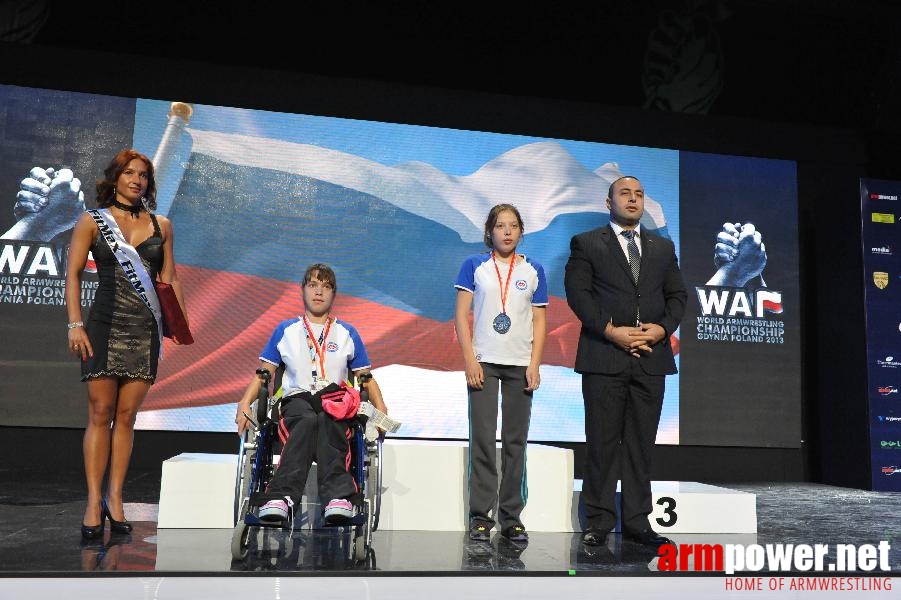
(888, 362)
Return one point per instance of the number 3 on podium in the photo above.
(669, 510)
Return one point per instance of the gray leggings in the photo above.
(516, 409)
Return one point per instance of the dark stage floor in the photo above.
(40, 513)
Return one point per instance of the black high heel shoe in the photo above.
(93, 532)
(115, 526)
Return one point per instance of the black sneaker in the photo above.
(516, 533)
(480, 531)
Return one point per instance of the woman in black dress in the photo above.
(119, 344)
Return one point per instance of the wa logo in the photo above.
(735, 302)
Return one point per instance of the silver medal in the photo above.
(502, 323)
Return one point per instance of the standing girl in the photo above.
(508, 294)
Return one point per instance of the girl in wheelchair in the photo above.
(318, 352)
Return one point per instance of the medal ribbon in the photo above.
(317, 349)
(505, 287)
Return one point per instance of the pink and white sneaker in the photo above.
(274, 511)
(338, 511)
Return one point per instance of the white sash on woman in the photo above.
(131, 263)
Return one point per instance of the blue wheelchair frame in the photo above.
(255, 469)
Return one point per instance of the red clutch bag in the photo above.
(174, 323)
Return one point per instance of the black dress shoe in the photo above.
(595, 555)
(116, 526)
(647, 537)
(595, 537)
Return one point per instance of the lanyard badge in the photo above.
(317, 352)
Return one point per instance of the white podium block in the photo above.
(424, 486)
(691, 507)
(549, 472)
(197, 491)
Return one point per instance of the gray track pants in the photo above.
(516, 411)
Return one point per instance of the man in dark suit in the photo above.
(624, 285)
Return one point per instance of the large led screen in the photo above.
(256, 196)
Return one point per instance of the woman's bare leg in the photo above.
(131, 394)
(102, 394)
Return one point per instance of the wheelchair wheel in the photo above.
(374, 484)
(361, 543)
(239, 540)
(242, 479)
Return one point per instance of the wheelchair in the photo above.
(256, 467)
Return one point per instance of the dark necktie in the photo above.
(634, 264)
(634, 256)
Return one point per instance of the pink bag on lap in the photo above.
(342, 403)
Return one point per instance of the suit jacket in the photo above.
(600, 290)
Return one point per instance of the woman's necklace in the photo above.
(135, 209)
